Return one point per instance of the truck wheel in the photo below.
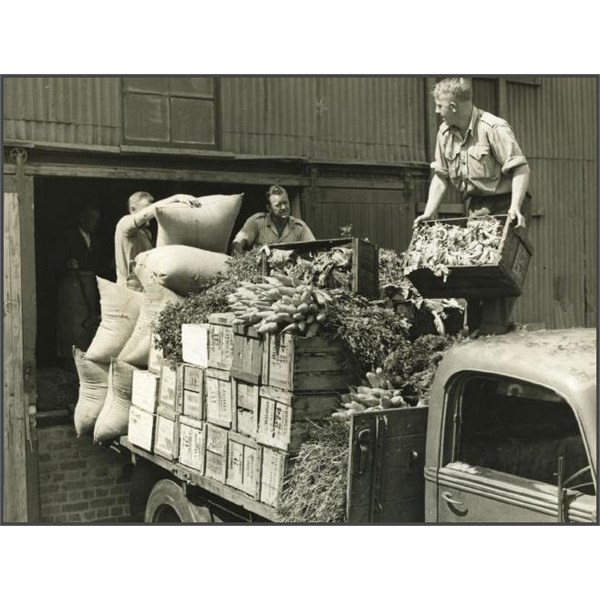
(168, 504)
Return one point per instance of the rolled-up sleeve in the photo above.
(127, 226)
(440, 165)
(506, 148)
(248, 233)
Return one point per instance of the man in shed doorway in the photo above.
(132, 235)
(478, 154)
(272, 227)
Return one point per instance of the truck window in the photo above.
(513, 427)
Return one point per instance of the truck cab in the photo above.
(511, 430)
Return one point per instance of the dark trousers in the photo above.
(492, 315)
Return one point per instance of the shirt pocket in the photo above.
(481, 163)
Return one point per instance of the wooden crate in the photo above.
(192, 443)
(247, 354)
(245, 407)
(193, 393)
(166, 436)
(194, 343)
(219, 398)
(155, 356)
(274, 466)
(504, 278)
(215, 457)
(365, 261)
(242, 464)
(144, 390)
(283, 415)
(220, 345)
(140, 431)
(171, 387)
(297, 363)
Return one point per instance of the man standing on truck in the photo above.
(478, 154)
(132, 236)
(272, 227)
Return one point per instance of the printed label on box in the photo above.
(193, 405)
(216, 440)
(193, 377)
(141, 428)
(165, 443)
(168, 387)
(191, 447)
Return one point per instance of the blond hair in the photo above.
(137, 198)
(457, 88)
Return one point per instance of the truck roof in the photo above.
(563, 360)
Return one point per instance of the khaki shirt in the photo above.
(259, 230)
(130, 240)
(481, 163)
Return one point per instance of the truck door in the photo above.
(500, 452)
(387, 453)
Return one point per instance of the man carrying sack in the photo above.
(478, 154)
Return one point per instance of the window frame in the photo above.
(169, 95)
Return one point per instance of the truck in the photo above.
(508, 436)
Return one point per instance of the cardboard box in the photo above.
(194, 343)
(192, 443)
(144, 390)
(141, 428)
(220, 349)
(245, 407)
(219, 399)
(282, 421)
(215, 458)
(171, 392)
(243, 464)
(155, 356)
(166, 436)
(247, 354)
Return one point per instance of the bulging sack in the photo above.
(93, 386)
(120, 307)
(113, 419)
(207, 227)
(176, 267)
(155, 298)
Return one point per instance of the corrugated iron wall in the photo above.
(343, 118)
(63, 110)
(555, 123)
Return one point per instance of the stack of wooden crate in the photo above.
(237, 408)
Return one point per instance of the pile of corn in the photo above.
(280, 304)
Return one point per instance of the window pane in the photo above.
(192, 121)
(146, 84)
(146, 118)
(518, 429)
(202, 86)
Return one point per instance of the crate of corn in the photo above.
(468, 257)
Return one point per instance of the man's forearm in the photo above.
(520, 185)
(437, 189)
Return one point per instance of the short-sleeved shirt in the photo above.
(130, 240)
(259, 230)
(482, 161)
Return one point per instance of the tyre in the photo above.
(168, 504)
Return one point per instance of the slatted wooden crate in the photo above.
(192, 443)
(245, 407)
(141, 428)
(274, 466)
(243, 464)
(144, 390)
(219, 398)
(193, 394)
(166, 436)
(215, 457)
(365, 261)
(283, 415)
(297, 363)
(504, 278)
(247, 354)
(220, 345)
(194, 343)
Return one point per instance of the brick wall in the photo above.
(80, 482)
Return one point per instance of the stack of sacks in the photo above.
(120, 309)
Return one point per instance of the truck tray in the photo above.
(504, 278)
